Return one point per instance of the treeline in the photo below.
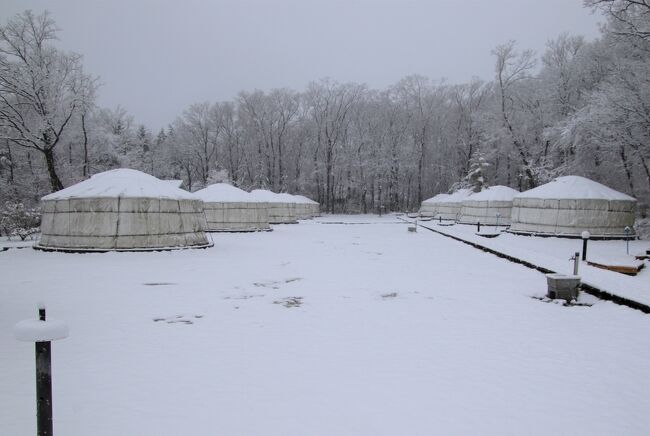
(580, 107)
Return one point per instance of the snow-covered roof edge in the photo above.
(124, 183)
(575, 188)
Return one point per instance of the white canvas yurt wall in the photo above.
(230, 209)
(429, 207)
(448, 208)
(122, 209)
(484, 206)
(569, 205)
(305, 207)
(281, 211)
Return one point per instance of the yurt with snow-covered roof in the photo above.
(448, 208)
(569, 205)
(491, 206)
(230, 209)
(306, 207)
(123, 210)
(282, 210)
(429, 207)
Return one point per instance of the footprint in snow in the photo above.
(290, 302)
(178, 319)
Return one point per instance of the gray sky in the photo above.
(156, 57)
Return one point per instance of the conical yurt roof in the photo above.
(303, 199)
(494, 193)
(287, 198)
(458, 196)
(225, 193)
(575, 188)
(122, 182)
(436, 198)
(267, 196)
(174, 182)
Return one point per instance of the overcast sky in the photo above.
(157, 57)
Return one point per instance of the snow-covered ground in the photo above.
(15, 242)
(319, 329)
(554, 254)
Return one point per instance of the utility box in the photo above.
(561, 286)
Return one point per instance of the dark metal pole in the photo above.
(584, 249)
(478, 226)
(43, 384)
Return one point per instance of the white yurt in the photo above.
(281, 210)
(569, 205)
(429, 207)
(305, 207)
(491, 206)
(230, 209)
(124, 210)
(448, 208)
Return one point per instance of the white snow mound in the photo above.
(288, 198)
(123, 182)
(225, 193)
(35, 330)
(458, 196)
(575, 188)
(267, 196)
(304, 200)
(175, 183)
(436, 198)
(495, 193)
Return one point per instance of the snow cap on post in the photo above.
(34, 330)
(585, 235)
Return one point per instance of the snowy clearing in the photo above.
(555, 253)
(317, 329)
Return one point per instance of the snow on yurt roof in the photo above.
(574, 188)
(303, 199)
(224, 192)
(266, 196)
(495, 193)
(174, 182)
(122, 182)
(436, 198)
(288, 198)
(457, 196)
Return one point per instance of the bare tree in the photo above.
(512, 67)
(41, 88)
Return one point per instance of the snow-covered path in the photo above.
(317, 329)
(555, 253)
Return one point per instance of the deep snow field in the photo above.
(318, 329)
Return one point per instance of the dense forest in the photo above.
(580, 107)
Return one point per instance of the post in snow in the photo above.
(576, 262)
(42, 331)
(478, 226)
(627, 231)
(585, 238)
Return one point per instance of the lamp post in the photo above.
(585, 238)
(627, 231)
(498, 216)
